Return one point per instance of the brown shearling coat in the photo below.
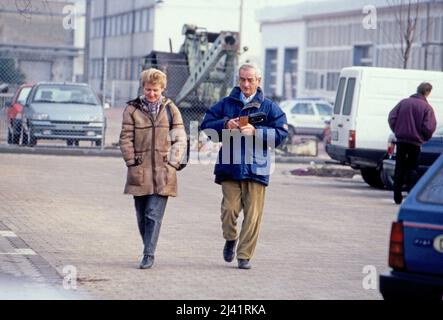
(151, 153)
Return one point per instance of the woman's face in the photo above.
(152, 91)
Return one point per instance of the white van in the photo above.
(359, 124)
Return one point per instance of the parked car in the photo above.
(67, 111)
(307, 116)
(416, 243)
(14, 111)
(359, 125)
(430, 151)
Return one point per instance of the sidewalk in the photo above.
(26, 275)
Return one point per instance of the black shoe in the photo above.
(147, 262)
(244, 264)
(229, 250)
(398, 198)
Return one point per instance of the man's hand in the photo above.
(233, 124)
(248, 130)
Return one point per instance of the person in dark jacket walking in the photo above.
(244, 163)
(413, 122)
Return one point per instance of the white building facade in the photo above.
(338, 34)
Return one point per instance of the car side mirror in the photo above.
(8, 104)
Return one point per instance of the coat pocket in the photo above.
(135, 175)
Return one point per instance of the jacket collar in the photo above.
(419, 96)
(137, 102)
(258, 98)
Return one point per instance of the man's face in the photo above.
(152, 91)
(248, 81)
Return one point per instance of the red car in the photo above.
(14, 112)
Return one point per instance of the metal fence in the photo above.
(66, 117)
(77, 123)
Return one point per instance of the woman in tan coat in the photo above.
(152, 152)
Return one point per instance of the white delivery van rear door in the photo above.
(343, 119)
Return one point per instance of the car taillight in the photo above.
(396, 252)
(391, 148)
(351, 141)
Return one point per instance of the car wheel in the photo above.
(388, 181)
(17, 131)
(372, 177)
(98, 143)
(32, 141)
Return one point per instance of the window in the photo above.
(123, 25)
(347, 105)
(108, 26)
(311, 80)
(270, 72)
(363, 56)
(433, 189)
(23, 95)
(303, 109)
(323, 109)
(290, 73)
(339, 97)
(129, 22)
(332, 80)
(145, 20)
(137, 21)
(65, 94)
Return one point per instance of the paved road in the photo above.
(317, 234)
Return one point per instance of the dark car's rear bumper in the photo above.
(357, 158)
(411, 285)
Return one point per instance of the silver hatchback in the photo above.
(307, 116)
(67, 111)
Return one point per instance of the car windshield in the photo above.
(65, 94)
(433, 190)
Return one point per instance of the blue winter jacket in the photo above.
(245, 158)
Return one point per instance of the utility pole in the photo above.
(104, 63)
(86, 61)
(428, 9)
(240, 25)
(240, 29)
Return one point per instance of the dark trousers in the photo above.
(150, 210)
(406, 166)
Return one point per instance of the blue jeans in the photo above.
(150, 210)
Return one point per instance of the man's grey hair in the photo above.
(251, 66)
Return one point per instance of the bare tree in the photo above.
(406, 16)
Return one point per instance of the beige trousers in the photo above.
(249, 196)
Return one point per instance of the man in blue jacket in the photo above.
(244, 161)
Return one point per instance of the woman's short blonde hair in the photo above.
(153, 76)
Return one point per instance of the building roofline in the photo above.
(308, 10)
